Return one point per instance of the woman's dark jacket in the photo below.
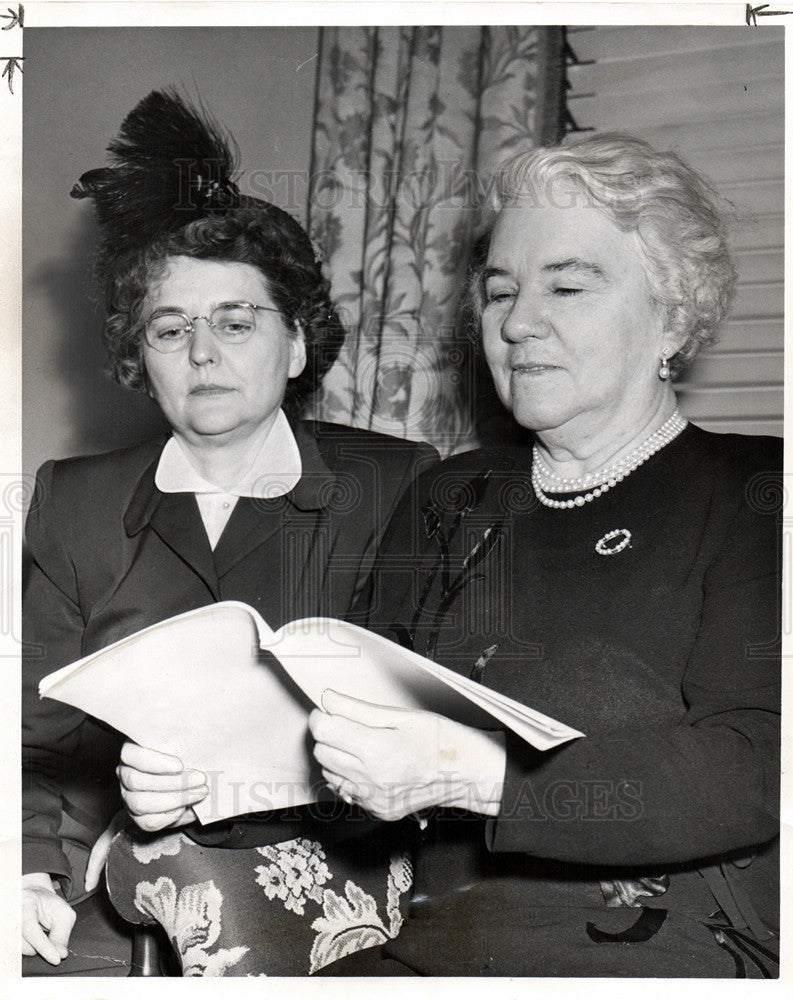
(665, 654)
(111, 554)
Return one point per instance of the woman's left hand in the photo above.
(395, 762)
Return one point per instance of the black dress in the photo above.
(609, 853)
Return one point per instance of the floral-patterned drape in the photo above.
(409, 125)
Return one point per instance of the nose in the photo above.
(526, 318)
(203, 343)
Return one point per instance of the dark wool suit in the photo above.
(112, 554)
(608, 851)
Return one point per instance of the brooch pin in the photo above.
(603, 548)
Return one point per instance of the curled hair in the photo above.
(672, 209)
(255, 233)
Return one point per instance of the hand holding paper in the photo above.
(227, 700)
(395, 762)
(157, 790)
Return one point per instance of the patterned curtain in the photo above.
(409, 125)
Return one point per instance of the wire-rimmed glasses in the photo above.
(168, 331)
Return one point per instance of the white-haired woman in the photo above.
(620, 575)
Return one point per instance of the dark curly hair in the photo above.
(255, 233)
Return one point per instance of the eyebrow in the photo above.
(575, 264)
(494, 272)
(570, 264)
(184, 312)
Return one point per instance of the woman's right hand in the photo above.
(47, 919)
(157, 790)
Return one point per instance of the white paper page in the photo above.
(533, 727)
(199, 687)
(551, 729)
(544, 723)
(322, 653)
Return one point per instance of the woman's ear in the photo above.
(671, 338)
(297, 349)
(671, 343)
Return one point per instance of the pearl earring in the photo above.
(663, 371)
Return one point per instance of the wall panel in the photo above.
(714, 95)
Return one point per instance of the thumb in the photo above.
(96, 861)
(99, 852)
(364, 712)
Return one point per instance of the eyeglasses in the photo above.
(231, 322)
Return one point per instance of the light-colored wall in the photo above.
(716, 96)
(79, 85)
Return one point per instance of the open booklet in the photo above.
(204, 687)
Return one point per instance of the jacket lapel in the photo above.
(252, 523)
(176, 519)
(298, 551)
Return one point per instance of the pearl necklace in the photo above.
(602, 480)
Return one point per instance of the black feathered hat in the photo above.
(171, 165)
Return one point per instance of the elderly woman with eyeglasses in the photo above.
(218, 309)
(621, 574)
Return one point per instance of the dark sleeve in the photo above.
(672, 795)
(52, 637)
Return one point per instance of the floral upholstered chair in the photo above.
(279, 910)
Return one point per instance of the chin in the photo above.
(534, 417)
(213, 428)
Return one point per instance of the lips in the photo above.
(534, 368)
(209, 389)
